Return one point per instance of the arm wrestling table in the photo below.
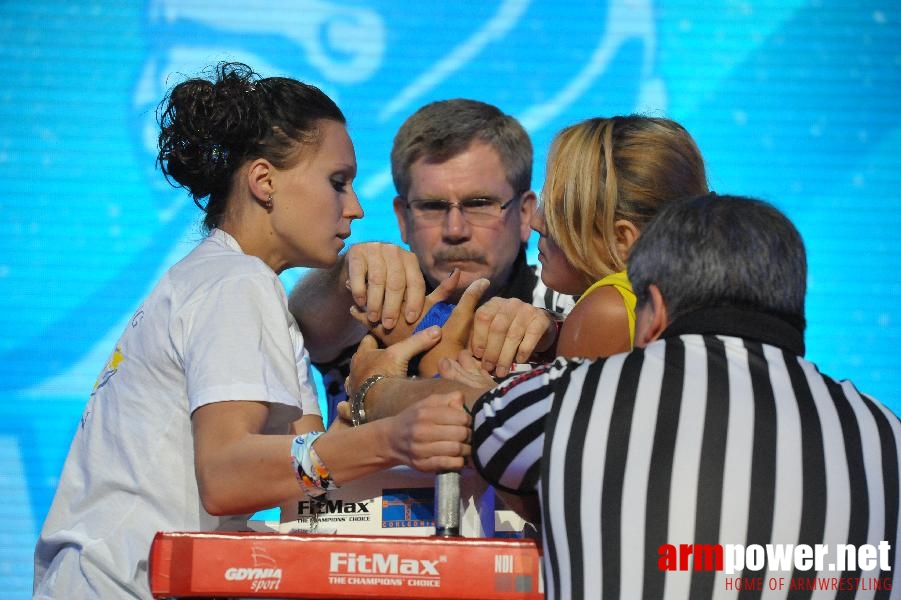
(310, 565)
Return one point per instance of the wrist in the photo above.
(312, 474)
(548, 342)
(358, 399)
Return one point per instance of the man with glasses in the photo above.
(462, 170)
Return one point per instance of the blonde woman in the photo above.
(605, 179)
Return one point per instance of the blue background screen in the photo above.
(792, 101)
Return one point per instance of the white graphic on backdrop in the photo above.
(626, 19)
(494, 29)
(345, 43)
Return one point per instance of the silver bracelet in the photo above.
(357, 408)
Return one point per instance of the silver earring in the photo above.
(267, 204)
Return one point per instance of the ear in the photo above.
(259, 180)
(652, 318)
(626, 234)
(526, 210)
(400, 212)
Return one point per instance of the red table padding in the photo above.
(275, 565)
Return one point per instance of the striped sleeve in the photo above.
(545, 297)
(508, 428)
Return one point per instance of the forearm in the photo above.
(241, 470)
(350, 453)
(391, 395)
(320, 302)
(247, 475)
(256, 472)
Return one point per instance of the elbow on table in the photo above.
(215, 497)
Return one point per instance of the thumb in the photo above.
(446, 288)
(448, 368)
(368, 343)
(417, 343)
(471, 296)
(459, 323)
(455, 400)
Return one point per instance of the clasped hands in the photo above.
(386, 281)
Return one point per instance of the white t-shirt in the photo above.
(215, 328)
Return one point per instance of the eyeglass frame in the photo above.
(408, 204)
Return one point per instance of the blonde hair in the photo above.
(605, 169)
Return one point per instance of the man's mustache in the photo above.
(459, 254)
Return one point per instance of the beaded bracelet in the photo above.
(312, 474)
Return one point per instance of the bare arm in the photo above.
(597, 326)
(240, 470)
(396, 392)
(320, 302)
(393, 394)
(428, 435)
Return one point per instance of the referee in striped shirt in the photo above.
(713, 461)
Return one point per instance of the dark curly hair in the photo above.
(210, 126)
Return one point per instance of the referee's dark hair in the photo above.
(722, 251)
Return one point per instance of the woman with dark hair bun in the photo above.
(205, 411)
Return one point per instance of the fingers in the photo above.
(498, 330)
(439, 464)
(343, 419)
(358, 271)
(481, 324)
(434, 433)
(468, 361)
(360, 317)
(468, 372)
(414, 292)
(536, 330)
(450, 369)
(343, 409)
(383, 280)
(495, 329)
(369, 360)
(404, 287)
(506, 331)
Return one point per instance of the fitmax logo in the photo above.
(345, 563)
(331, 507)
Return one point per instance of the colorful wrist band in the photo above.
(312, 474)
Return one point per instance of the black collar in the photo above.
(522, 279)
(740, 322)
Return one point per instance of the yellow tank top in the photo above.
(620, 282)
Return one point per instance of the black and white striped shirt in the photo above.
(697, 439)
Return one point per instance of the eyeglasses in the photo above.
(476, 211)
